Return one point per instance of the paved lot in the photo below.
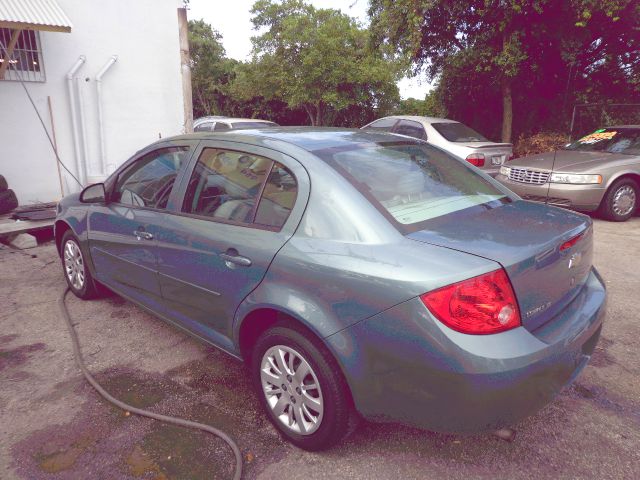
(54, 426)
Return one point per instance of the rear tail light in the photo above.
(478, 306)
(571, 242)
(476, 159)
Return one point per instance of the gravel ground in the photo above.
(55, 427)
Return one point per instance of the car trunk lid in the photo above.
(496, 154)
(526, 239)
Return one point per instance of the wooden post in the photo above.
(185, 66)
(55, 145)
(9, 51)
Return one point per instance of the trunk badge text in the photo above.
(539, 309)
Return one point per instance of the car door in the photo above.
(122, 246)
(240, 205)
(411, 129)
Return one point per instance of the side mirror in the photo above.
(93, 194)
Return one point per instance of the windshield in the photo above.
(412, 183)
(612, 140)
(458, 132)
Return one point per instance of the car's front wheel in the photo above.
(76, 272)
(621, 200)
(301, 388)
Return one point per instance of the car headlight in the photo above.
(505, 171)
(576, 178)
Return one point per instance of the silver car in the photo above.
(599, 172)
(358, 274)
(452, 136)
(219, 123)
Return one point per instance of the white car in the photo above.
(452, 136)
(220, 124)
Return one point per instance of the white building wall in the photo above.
(141, 93)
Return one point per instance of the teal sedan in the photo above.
(358, 274)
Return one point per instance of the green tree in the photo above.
(500, 42)
(317, 60)
(211, 70)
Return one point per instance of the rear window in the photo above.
(412, 183)
(458, 132)
(612, 140)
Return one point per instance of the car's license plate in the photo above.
(497, 160)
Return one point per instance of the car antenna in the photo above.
(553, 165)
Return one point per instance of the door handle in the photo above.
(232, 258)
(141, 234)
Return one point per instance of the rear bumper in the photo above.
(404, 366)
(585, 198)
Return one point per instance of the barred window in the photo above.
(25, 59)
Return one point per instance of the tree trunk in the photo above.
(507, 110)
(319, 114)
(309, 113)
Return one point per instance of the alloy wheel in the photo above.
(292, 389)
(74, 264)
(624, 200)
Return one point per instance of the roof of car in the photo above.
(308, 138)
(419, 118)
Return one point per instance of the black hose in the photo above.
(138, 411)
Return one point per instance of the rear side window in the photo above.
(248, 125)
(382, 125)
(412, 183)
(221, 127)
(411, 129)
(148, 181)
(278, 197)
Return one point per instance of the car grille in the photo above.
(524, 175)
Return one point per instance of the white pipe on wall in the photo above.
(74, 119)
(83, 128)
(103, 150)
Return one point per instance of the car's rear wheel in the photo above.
(621, 200)
(301, 388)
(76, 272)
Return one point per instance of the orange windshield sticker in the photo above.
(598, 137)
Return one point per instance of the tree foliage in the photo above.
(317, 60)
(500, 59)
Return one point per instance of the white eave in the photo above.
(33, 15)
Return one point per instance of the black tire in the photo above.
(339, 418)
(88, 288)
(3, 184)
(8, 201)
(608, 208)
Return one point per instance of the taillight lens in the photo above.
(571, 242)
(476, 159)
(478, 306)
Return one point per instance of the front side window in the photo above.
(458, 132)
(148, 182)
(611, 140)
(411, 129)
(412, 183)
(25, 59)
(204, 127)
(382, 125)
